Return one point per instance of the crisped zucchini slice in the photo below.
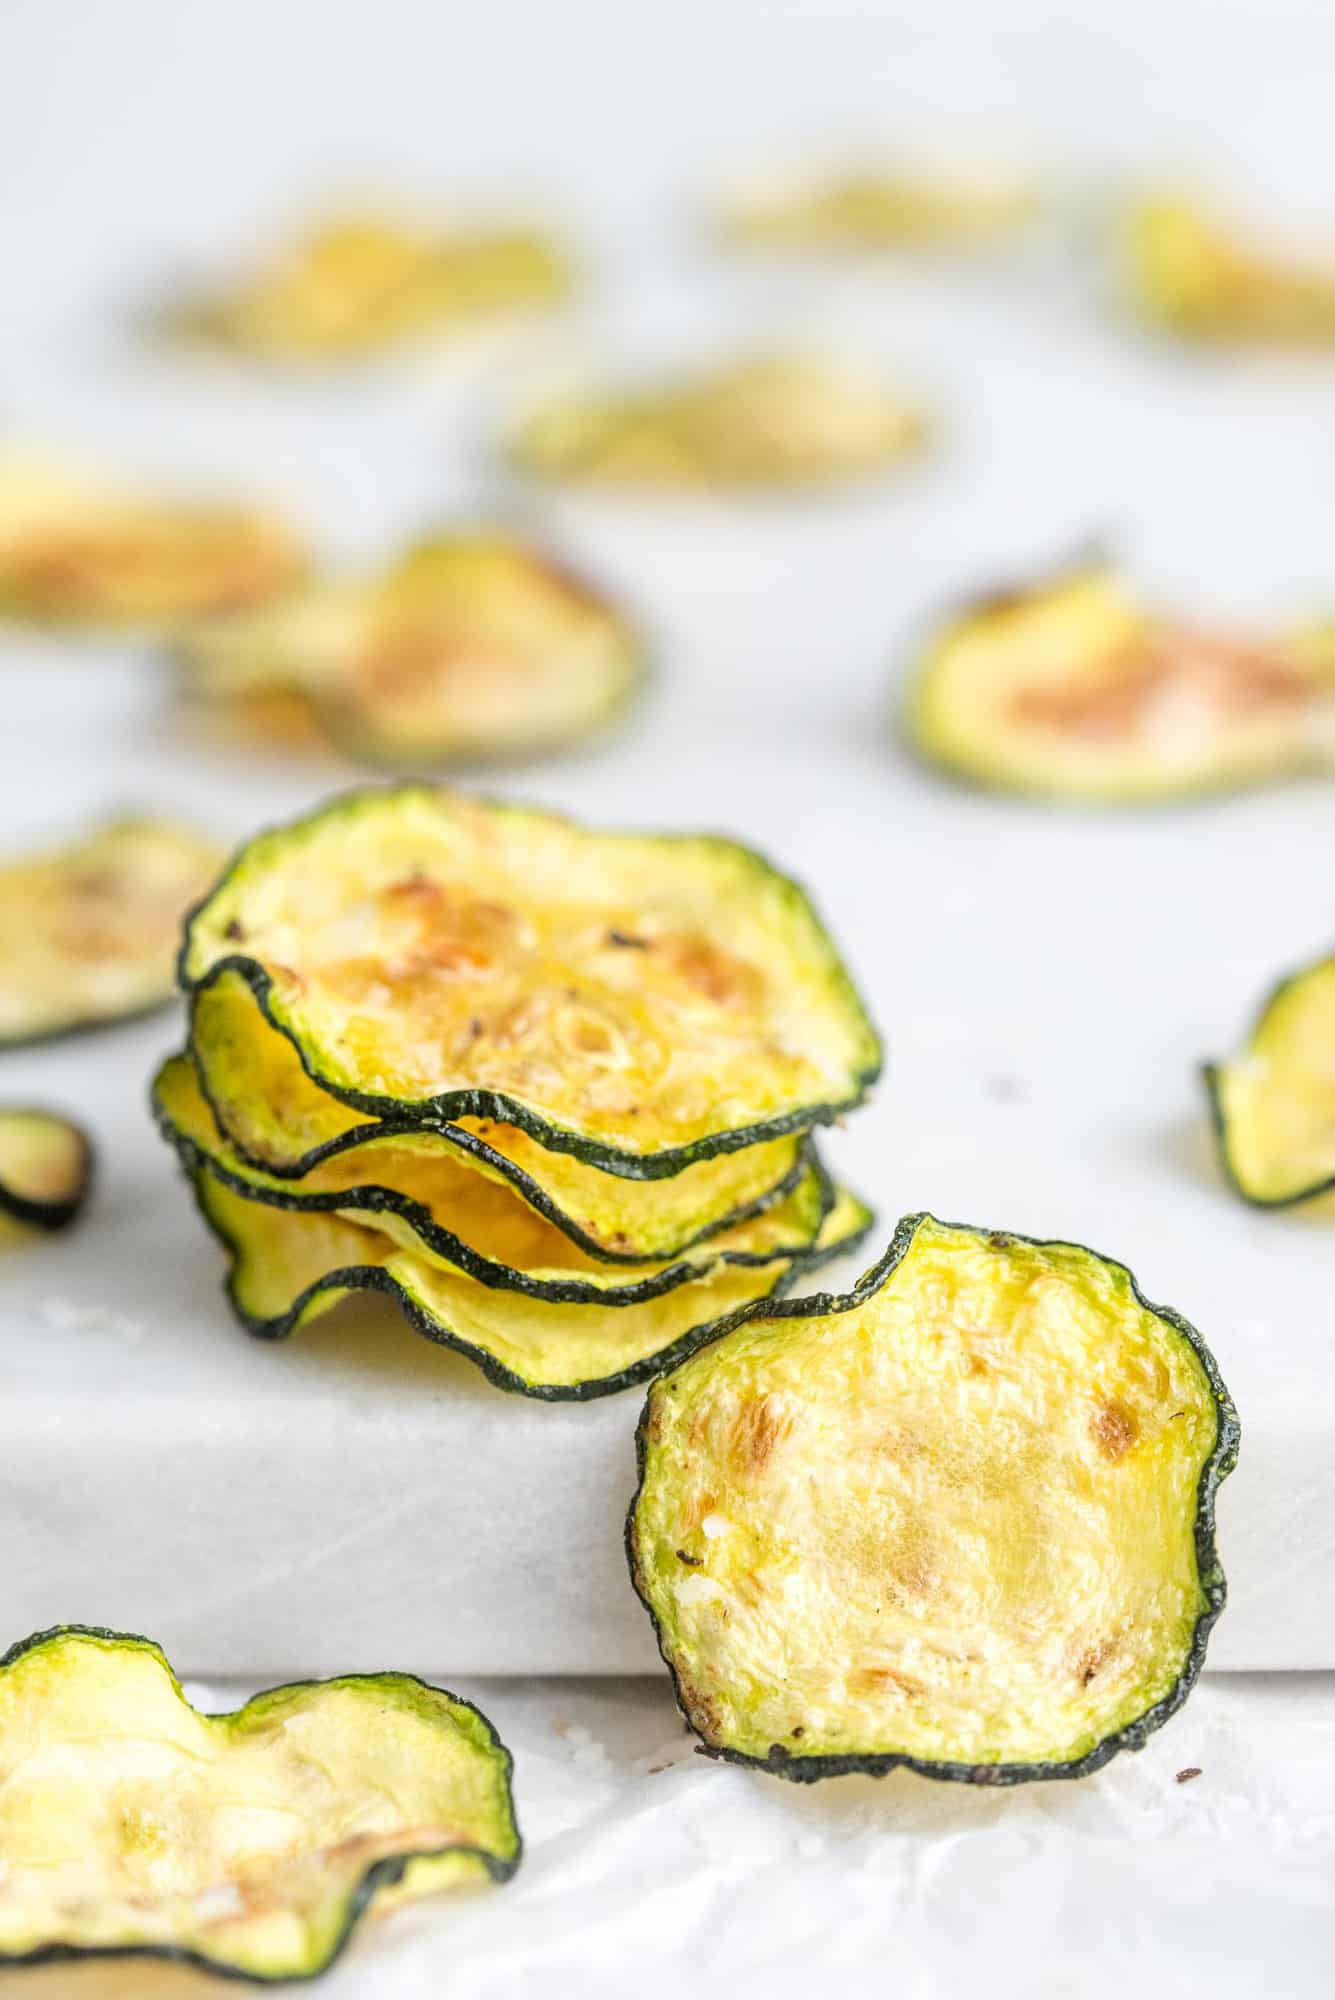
(638, 1001)
(1189, 273)
(77, 549)
(1274, 1103)
(46, 1166)
(775, 421)
(88, 932)
(288, 1269)
(248, 1844)
(871, 209)
(471, 647)
(448, 1212)
(1070, 689)
(960, 1519)
(358, 283)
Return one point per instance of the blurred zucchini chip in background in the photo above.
(871, 208)
(88, 931)
(1274, 1102)
(960, 1519)
(249, 1844)
(76, 548)
(470, 647)
(355, 284)
(1192, 274)
(46, 1167)
(1070, 689)
(289, 1268)
(772, 421)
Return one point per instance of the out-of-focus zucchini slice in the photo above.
(1070, 689)
(288, 1269)
(871, 209)
(88, 931)
(355, 284)
(474, 1222)
(267, 1108)
(771, 422)
(248, 1844)
(77, 549)
(1274, 1103)
(472, 647)
(46, 1166)
(1186, 272)
(961, 1518)
(639, 1001)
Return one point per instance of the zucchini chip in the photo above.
(359, 283)
(249, 1844)
(76, 549)
(1069, 689)
(960, 1519)
(288, 1269)
(88, 931)
(775, 421)
(638, 1001)
(1274, 1103)
(46, 1166)
(1190, 274)
(472, 647)
(867, 209)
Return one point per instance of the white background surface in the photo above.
(1046, 982)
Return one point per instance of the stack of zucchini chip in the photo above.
(551, 1089)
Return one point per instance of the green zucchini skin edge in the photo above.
(374, 1278)
(380, 1875)
(67, 1030)
(50, 1216)
(779, 1763)
(1210, 1076)
(469, 1102)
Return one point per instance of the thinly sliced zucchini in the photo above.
(76, 548)
(288, 1269)
(88, 931)
(961, 1518)
(638, 1001)
(266, 1107)
(771, 422)
(474, 1223)
(1069, 689)
(1191, 274)
(358, 283)
(248, 1844)
(471, 647)
(871, 209)
(1274, 1103)
(46, 1167)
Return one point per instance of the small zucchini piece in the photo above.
(356, 284)
(1069, 689)
(88, 931)
(77, 549)
(46, 1168)
(249, 1845)
(773, 421)
(638, 1001)
(960, 1519)
(877, 209)
(1274, 1103)
(1194, 276)
(471, 647)
(288, 1269)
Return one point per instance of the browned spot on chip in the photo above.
(1091, 1660)
(1114, 1430)
(884, 1680)
(703, 1710)
(758, 1427)
(711, 972)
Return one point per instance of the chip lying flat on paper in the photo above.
(46, 1165)
(870, 209)
(1069, 688)
(248, 1844)
(88, 932)
(470, 647)
(76, 548)
(961, 1518)
(1190, 274)
(1274, 1102)
(775, 421)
